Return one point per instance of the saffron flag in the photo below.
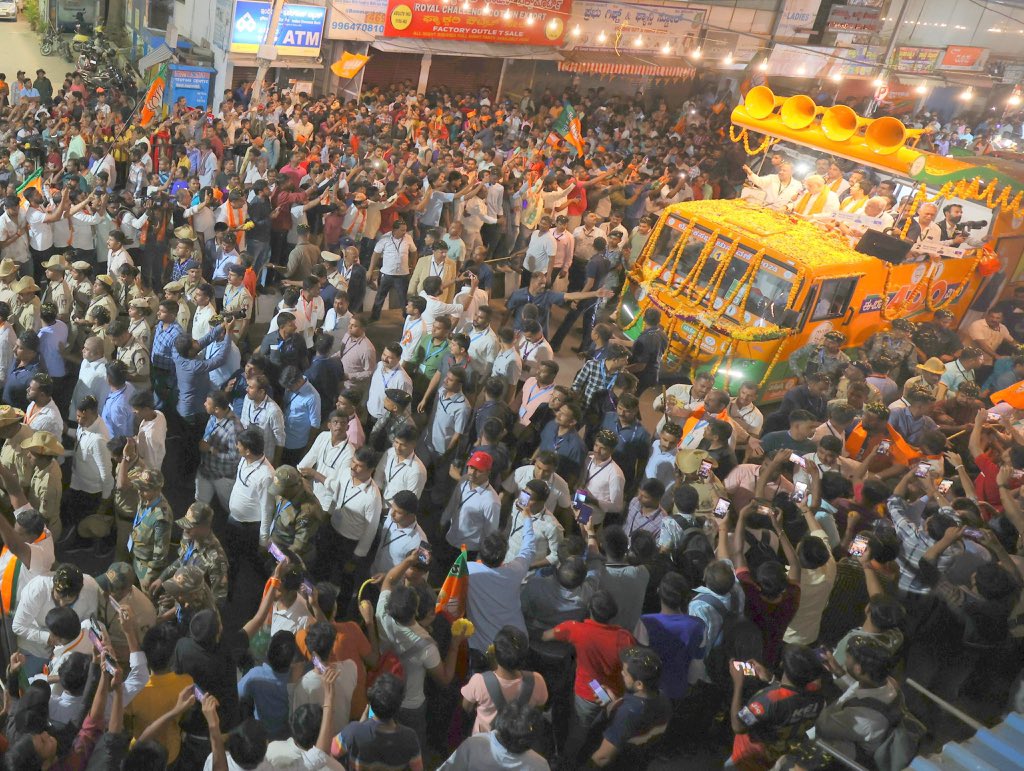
(567, 126)
(1014, 396)
(452, 596)
(34, 180)
(349, 65)
(153, 102)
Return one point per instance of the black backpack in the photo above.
(759, 550)
(694, 552)
(739, 638)
(904, 737)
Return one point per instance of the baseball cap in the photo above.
(480, 460)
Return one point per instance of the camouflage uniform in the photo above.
(813, 358)
(150, 540)
(186, 592)
(386, 429)
(207, 554)
(898, 349)
(297, 514)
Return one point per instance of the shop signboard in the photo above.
(797, 20)
(356, 19)
(299, 29)
(635, 27)
(916, 59)
(862, 19)
(537, 23)
(964, 59)
(193, 83)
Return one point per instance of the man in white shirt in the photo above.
(400, 469)
(543, 468)
(39, 221)
(42, 413)
(540, 250)
(602, 478)
(355, 514)
(328, 460)
(151, 439)
(14, 233)
(392, 254)
(92, 375)
(67, 587)
(413, 328)
(533, 348)
(531, 504)
(779, 189)
(817, 200)
(117, 255)
(388, 374)
(27, 553)
(261, 412)
(251, 504)
(431, 292)
(401, 533)
(483, 342)
(91, 478)
(474, 510)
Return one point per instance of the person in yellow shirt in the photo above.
(161, 693)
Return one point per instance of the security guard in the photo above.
(825, 357)
(185, 593)
(58, 291)
(14, 434)
(44, 490)
(297, 514)
(396, 403)
(201, 548)
(149, 542)
(896, 344)
(131, 353)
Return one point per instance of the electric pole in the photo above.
(262, 61)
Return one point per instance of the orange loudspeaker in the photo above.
(840, 123)
(887, 135)
(760, 102)
(798, 112)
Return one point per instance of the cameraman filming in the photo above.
(955, 232)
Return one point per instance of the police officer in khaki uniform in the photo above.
(139, 313)
(25, 310)
(14, 434)
(149, 542)
(201, 548)
(175, 290)
(131, 353)
(97, 527)
(8, 275)
(58, 291)
(297, 514)
(44, 489)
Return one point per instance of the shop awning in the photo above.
(611, 63)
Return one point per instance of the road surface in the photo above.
(20, 51)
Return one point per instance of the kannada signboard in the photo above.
(538, 23)
(854, 18)
(193, 83)
(299, 30)
(654, 25)
(356, 19)
(915, 59)
(964, 58)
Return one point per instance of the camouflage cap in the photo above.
(835, 336)
(119, 576)
(149, 479)
(903, 325)
(198, 515)
(185, 581)
(287, 481)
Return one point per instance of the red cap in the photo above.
(480, 460)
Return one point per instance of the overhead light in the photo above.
(576, 31)
(506, 15)
(921, 89)
(801, 71)
(967, 94)
(1014, 100)
(878, 82)
(695, 53)
(728, 59)
(639, 41)
(837, 77)
(666, 49)
(601, 38)
(763, 66)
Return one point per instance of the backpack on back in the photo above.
(739, 638)
(901, 743)
(694, 552)
(759, 550)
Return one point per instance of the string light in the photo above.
(728, 59)
(602, 37)
(666, 49)
(695, 53)
(967, 94)
(639, 41)
(576, 31)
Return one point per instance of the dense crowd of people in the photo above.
(644, 578)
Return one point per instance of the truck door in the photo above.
(833, 302)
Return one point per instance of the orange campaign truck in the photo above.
(741, 288)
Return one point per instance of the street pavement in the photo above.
(20, 51)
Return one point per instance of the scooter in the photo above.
(80, 40)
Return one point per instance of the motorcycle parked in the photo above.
(65, 51)
(81, 40)
(51, 39)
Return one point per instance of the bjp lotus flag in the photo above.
(153, 102)
(348, 66)
(452, 596)
(1014, 396)
(35, 179)
(567, 125)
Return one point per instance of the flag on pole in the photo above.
(34, 180)
(567, 126)
(1014, 396)
(348, 66)
(452, 596)
(153, 102)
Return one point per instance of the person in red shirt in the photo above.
(598, 644)
(772, 594)
(990, 448)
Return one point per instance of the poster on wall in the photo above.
(356, 19)
(964, 58)
(527, 23)
(854, 18)
(299, 30)
(193, 83)
(796, 20)
(622, 25)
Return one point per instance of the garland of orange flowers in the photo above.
(698, 266)
(771, 365)
(672, 262)
(711, 288)
(768, 142)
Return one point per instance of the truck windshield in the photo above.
(768, 293)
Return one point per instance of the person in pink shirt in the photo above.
(507, 683)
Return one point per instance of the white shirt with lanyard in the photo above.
(606, 485)
(395, 543)
(356, 512)
(380, 381)
(331, 460)
(394, 474)
(477, 516)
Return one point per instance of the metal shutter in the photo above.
(464, 74)
(387, 68)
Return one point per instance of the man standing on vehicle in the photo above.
(779, 188)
